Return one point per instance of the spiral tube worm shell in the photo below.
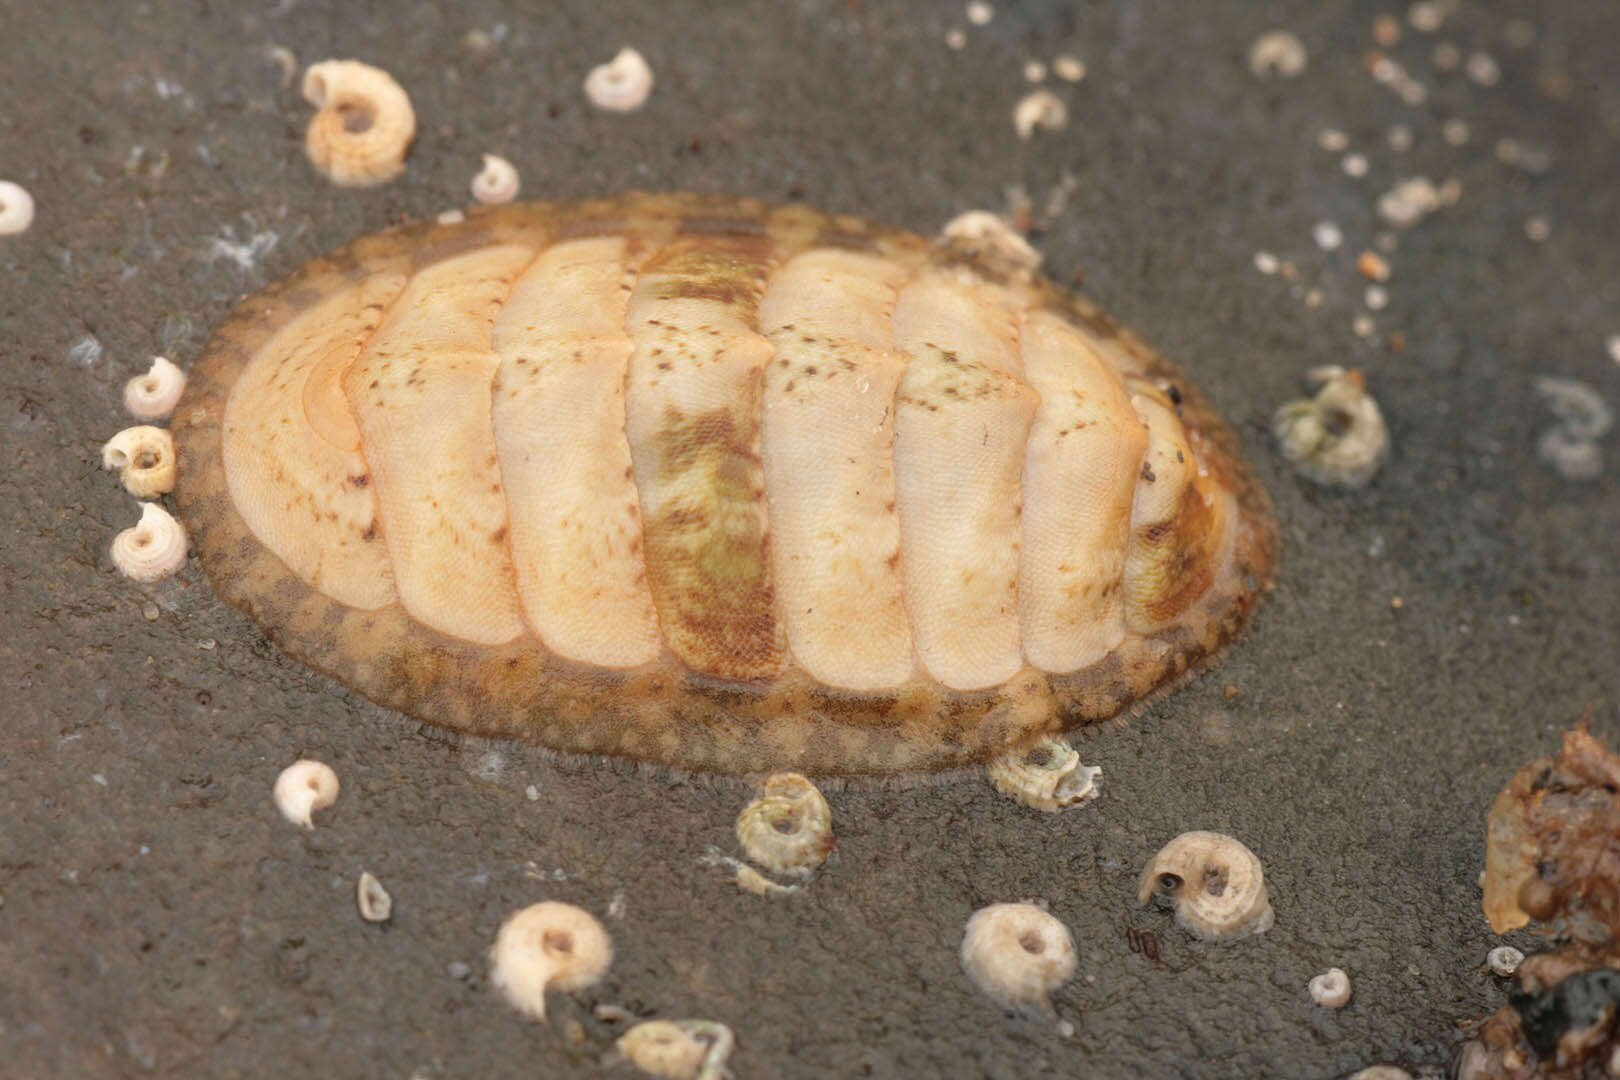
(1337, 437)
(1017, 954)
(144, 458)
(153, 548)
(16, 208)
(677, 1049)
(720, 485)
(497, 182)
(788, 829)
(154, 395)
(1046, 776)
(363, 126)
(303, 788)
(1331, 989)
(544, 946)
(1216, 885)
(622, 84)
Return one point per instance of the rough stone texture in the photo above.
(159, 917)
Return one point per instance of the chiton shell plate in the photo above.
(716, 484)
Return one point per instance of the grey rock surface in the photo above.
(160, 918)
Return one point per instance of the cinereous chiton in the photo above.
(715, 484)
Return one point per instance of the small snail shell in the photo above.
(154, 395)
(1216, 884)
(1337, 437)
(496, 182)
(788, 829)
(16, 208)
(620, 85)
(547, 945)
(1017, 954)
(373, 900)
(364, 125)
(1046, 775)
(144, 458)
(153, 548)
(304, 787)
(1331, 989)
(677, 1049)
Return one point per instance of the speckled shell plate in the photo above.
(715, 484)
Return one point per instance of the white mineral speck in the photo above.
(1327, 235)
(1455, 132)
(1377, 298)
(1425, 16)
(1409, 202)
(1400, 137)
(1355, 165)
(1265, 262)
(1363, 326)
(1614, 348)
(1537, 229)
(1068, 68)
(1034, 71)
(1483, 69)
(1332, 140)
(979, 13)
(955, 38)
(1446, 56)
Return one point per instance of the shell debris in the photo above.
(676, 1049)
(748, 879)
(304, 787)
(548, 945)
(151, 549)
(989, 236)
(373, 900)
(154, 395)
(788, 828)
(144, 458)
(1338, 437)
(16, 208)
(497, 182)
(622, 84)
(1582, 418)
(1277, 53)
(1017, 954)
(1504, 960)
(1215, 884)
(1331, 989)
(1046, 775)
(1039, 109)
(363, 126)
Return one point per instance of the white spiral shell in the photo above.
(546, 945)
(1216, 885)
(788, 829)
(153, 548)
(364, 124)
(144, 458)
(154, 395)
(1017, 954)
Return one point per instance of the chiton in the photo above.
(715, 484)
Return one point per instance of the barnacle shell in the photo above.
(144, 458)
(817, 495)
(16, 208)
(153, 548)
(1017, 954)
(304, 787)
(1337, 437)
(1216, 884)
(620, 85)
(1047, 775)
(788, 829)
(544, 946)
(154, 395)
(677, 1049)
(364, 124)
(1331, 989)
(373, 900)
(496, 182)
